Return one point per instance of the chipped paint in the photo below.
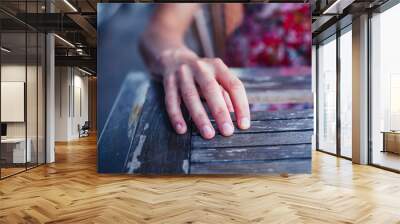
(137, 106)
(185, 166)
(236, 150)
(135, 163)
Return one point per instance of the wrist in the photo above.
(169, 60)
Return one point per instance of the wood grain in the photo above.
(139, 139)
(254, 139)
(270, 126)
(251, 153)
(277, 115)
(71, 191)
(269, 85)
(151, 146)
(276, 142)
(259, 167)
(119, 130)
(156, 148)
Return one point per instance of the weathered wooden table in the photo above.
(138, 137)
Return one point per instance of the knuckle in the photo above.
(218, 61)
(235, 84)
(198, 66)
(219, 112)
(210, 86)
(169, 81)
(181, 69)
(163, 59)
(197, 61)
(174, 115)
(173, 110)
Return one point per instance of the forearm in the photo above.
(156, 43)
(164, 37)
(186, 77)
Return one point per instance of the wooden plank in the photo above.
(263, 153)
(156, 148)
(282, 115)
(277, 115)
(280, 83)
(257, 73)
(270, 126)
(254, 139)
(138, 138)
(270, 85)
(253, 167)
(301, 96)
(119, 129)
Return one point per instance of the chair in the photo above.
(84, 130)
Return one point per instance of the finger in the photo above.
(211, 91)
(236, 92)
(227, 100)
(172, 102)
(193, 103)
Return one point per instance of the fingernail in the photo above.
(227, 128)
(245, 123)
(207, 131)
(179, 128)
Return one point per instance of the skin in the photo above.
(187, 78)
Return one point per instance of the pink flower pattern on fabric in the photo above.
(274, 34)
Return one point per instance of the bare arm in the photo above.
(165, 33)
(186, 77)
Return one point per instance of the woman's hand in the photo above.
(187, 77)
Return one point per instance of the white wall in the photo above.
(15, 72)
(80, 84)
(33, 127)
(62, 81)
(70, 83)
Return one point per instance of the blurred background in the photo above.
(119, 28)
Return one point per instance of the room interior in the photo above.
(49, 91)
(22, 102)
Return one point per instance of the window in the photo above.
(22, 66)
(327, 96)
(385, 89)
(346, 92)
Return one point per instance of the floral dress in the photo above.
(272, 35)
